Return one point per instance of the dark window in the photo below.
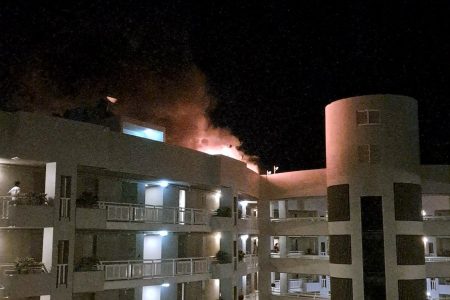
(366, 117)
(341, 288)
(412, 289)
(408, 202)
(368, 154)
(338, 203)
(373, 248)
(410, 250)
(340, 249)
(66, 187)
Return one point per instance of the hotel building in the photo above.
(113, 212)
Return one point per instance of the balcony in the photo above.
(437, 266)
(438, 288)
(124, 216)
(32, 211)
(247, 224)
(35, 282)
(296, 262)
(135, 273)
(221, 220)
(302, 288)
(436, 225)
(247, 264)
(299, 226)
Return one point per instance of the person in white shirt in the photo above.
(14, 192)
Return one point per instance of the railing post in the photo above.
(174, 210)
(192, 216)
(174, 267)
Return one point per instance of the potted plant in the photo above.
(223, 257)
(87, 264)
(223, 212)
(26, 265)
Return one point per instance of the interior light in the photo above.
(163, 183)
(165, 284)
(163, 233)
(15, 158)
(424, 213)
(425, 239)
(218, 235)
(244, 237)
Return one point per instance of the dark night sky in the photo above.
(270, 66)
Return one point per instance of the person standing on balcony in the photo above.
(14, 192)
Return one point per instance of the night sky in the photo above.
(269, 67)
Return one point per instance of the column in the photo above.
(284, 283)
(60, 187)
(169, 245)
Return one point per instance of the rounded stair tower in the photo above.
(374, 199)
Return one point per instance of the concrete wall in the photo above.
(294, 184)
(96, 146)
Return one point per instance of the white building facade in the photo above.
(111, 215)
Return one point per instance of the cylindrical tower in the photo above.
(374, 199)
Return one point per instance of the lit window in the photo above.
(367, 117)
(368, 154)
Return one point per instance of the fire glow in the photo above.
(183, 112)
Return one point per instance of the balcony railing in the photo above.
(252, 296)
(433, 259)
(141, 213)
(296, 289)
(29, 200)
(301, 295)
(154, 268)
(309, 219)
(300, 254)
(61, 274)
(251, 260)
(436, 218)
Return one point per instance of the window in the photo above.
(368, 117)
(368, 154)
(64, 199)
(340, 249)
(342, 288)
(408, 202)
(410, 250)
(63, 261)
(412, 289)
(338, 203)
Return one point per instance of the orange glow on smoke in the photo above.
(229, 149)
(181, 107)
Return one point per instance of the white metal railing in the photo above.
(300, 255)
(252, 296)
(251, 260)
(301, 295)
(433, 259)
(61, 274)
(436, 218)
(154, 268)
(143, 213)
(309, 219)
(35, 199)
